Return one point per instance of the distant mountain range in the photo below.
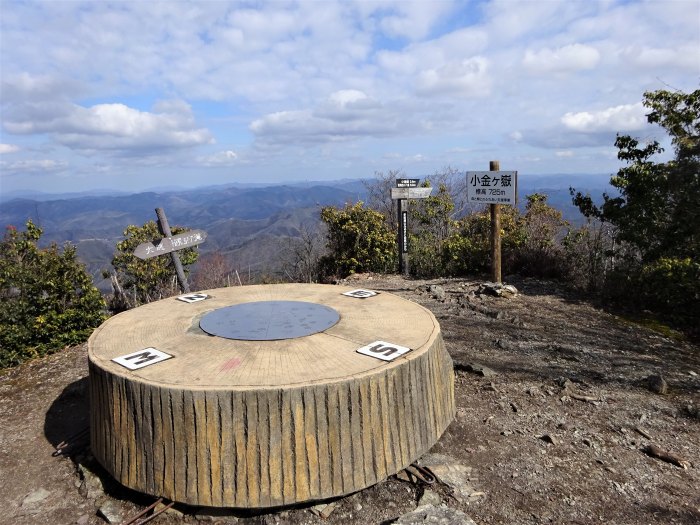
(249, 224)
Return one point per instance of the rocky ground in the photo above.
(563, 410)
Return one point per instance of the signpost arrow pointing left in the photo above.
(181, 241)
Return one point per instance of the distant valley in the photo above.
(249, 225)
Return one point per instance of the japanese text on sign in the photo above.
(407, 183)
(147, 250)
(492, 187)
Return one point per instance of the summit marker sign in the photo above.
(492, 187)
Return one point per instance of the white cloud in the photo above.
(111, 126)
(627, 117)
(28, 87)
(572, 57)
(512, 20)
(466, 78)
(221, 158)
(413, 20)
(299, 83)
(8, 148)
(34, 166)
(564, 154)
(344, 115)
(683, 56)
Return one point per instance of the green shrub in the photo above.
(358, 240)
(430, 226)
(468, 249)
(672, 286)
(47, 297)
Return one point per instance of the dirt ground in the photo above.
(554, 413)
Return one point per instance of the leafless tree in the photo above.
(379, 194)
(212, 271)
(301, 255)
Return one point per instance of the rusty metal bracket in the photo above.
(135, 519)
(73, 441)
(424, 474)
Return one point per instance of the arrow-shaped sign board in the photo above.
(410, 193)
(181, 241)
(407, 183)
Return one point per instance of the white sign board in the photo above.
(141, 358)
(383, 350)
(360, 293)
(193, 297)
(407, 183)
(492, 187)
(410, 193)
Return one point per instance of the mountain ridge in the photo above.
(239, 220)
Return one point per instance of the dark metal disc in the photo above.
(269, 320)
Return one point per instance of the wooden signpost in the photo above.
(493, 187)
(406, 189)
(171, 244)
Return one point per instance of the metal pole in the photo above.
(494, 165)
(165, 230)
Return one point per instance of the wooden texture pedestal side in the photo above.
(254, 424)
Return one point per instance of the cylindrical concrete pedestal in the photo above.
(240, 423)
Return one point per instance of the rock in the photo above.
(509, 289)
(214, 514)
(657, 384)
(90, 485)
(498, 290)
(452, 473)
(172, 511)
(564, 382)
(483, 371)
(434, 515)
(505, 345)
(111, 512)
(547, 438)
(533, 391)
(83, 520)
(438, 292)
(34, 498)
(429, 498)
(490, 387)
(403, 475)
(323, 510)
(692, 411)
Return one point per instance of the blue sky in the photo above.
(134, 95)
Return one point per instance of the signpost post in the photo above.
(171, 244)
(493, 187)
(406, 189)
